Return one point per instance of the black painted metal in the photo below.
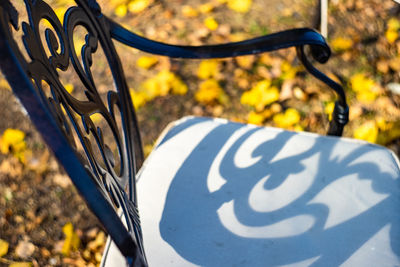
(104, 188)
(298, 38)
(340, 115)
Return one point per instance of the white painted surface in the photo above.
(214, 193)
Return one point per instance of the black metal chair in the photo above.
(208, 194)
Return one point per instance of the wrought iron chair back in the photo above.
(59, 116)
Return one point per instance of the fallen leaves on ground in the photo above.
(267, 89)
(262, 94)
(341, 44)
(209, 68)
(3, 247)
(146, 62)
(161, 84)
(13, 142)
(20, 264)
(136, 6)
(392, 32)
(287, 119)
(72, 241)
(366, 89)
(210, 92)
(241, 6)
(367, 131)
(211, 23)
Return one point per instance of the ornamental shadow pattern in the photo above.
(221, 223)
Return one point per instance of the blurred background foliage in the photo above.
(270, 89)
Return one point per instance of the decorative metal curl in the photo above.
(116, 186)
(340, 115)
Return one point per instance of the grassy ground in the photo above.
(36, 199)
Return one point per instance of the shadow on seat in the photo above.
(228, 194)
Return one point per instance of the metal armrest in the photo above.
(298, 38)
(267, 43)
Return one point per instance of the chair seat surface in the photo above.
(219, 193)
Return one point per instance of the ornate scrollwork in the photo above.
(73, 115)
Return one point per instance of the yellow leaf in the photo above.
(241, 6)
(288, 71)
(151, 89)
(366, 88)
(164, 79)
(69, 87)
(178, 87)
(261, 95)
(366, 96)
(208, 69)
(206, 8)
(137, 6)
(211, 23)
(393, 24)
(160, 85)
(287, 119)
(390, 132)
(21, 264)
(209, 91)
(121, 11)
(359, 82)
(255, 118)
(189, 11)
(382, 124)
(329, 109)
(342, 44)
(146, 62)
(269, 96)
(3, 247)
(13, 141)
(298, 128)
(71, 241)
(391, 36)
(367, 131)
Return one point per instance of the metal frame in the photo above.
(104, 188)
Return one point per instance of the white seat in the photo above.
(218, 193)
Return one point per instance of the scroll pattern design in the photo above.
(117, 186)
